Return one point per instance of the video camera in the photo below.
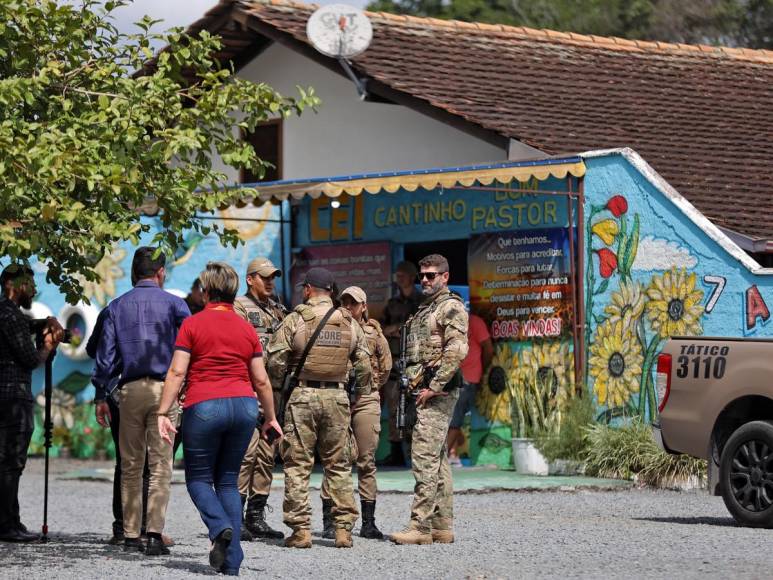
(37, 325)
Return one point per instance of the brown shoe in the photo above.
(443, 536)
(299, 539)
(343, 538)
(411, 536)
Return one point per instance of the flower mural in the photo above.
(637, 316)
(674, 307)
(607, 262)
(626, 305)
(615, 363)
(109, 271)
(606, 230)
(62, 407)
(542, 386)
(493, 398)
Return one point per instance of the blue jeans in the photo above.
(215, 439)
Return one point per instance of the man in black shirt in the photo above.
(399, 308)
(18, 358)
(195, 298)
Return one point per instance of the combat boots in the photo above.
(255, 519)
(368, 528)
(443, 536)
(445, 533)
(244, 534)
(299, 539)
(411, 536)
(328, 527)
(343, 538)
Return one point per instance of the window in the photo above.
(267, 141)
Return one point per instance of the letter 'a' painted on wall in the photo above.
(755, 308)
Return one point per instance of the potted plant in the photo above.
(540, 387)
(566, 451)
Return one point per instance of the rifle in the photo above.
(403, 382)
(351, 387)
(292, 379)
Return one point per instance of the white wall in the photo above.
(350, 136)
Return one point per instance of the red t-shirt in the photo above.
(221, 345)
(472, 365)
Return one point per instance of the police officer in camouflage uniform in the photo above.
(366, 419)
(265, 314)
(317, 413)
(437, 344)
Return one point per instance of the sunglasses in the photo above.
(428, 275)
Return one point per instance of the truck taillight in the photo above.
(663, 380)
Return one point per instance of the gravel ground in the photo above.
(588, 534)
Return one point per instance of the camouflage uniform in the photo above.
(256, 473)
(437, 338)
(318, 417)
(366, 414)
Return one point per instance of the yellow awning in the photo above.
(503, 173)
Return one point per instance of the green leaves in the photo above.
(84, 142)
(628, 248)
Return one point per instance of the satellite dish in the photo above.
(339, 31)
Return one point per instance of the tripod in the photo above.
(47, 436)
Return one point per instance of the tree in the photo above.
(731, 22)
(756, 29)
(85, 139)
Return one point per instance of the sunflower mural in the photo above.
(109, 271)
(616, 363)
(638, 316)
(541, 387)
(493, 398)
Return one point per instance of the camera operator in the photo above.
(18, 358)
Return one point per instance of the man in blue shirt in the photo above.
(137, 342)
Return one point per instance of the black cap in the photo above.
(319, 278)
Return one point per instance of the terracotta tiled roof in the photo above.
(701, 116)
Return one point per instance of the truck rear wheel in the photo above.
(746, 474)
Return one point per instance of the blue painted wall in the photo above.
(71, 377)
(653, 273)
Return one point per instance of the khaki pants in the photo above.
(257, 470)
(318, 418)
(433, 494)
(137, 435)
(366, 425)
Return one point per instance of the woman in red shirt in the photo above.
(221, 356)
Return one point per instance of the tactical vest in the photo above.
(264, 320)
(372, 329)
(425, 335)
(327, 360)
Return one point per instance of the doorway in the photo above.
(455, 251)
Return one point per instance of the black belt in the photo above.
(321, 384)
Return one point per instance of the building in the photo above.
(671, 236)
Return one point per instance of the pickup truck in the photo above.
(716, 403)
